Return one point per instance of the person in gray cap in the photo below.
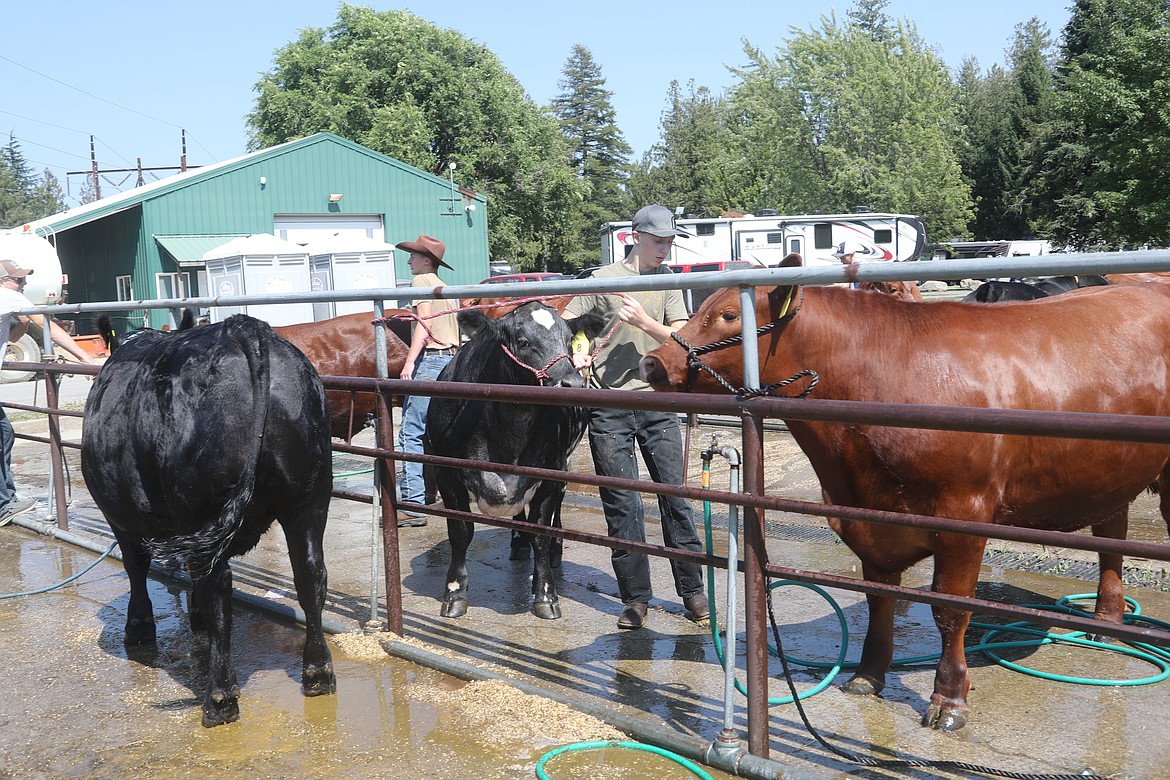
(646, 320)
(12, 328)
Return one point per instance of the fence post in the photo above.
(384, 430)
(755, 555)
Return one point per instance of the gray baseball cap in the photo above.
(657, 221)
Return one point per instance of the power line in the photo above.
(51, 148)
(42, 122)
(90, 94)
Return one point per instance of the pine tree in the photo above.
(23, 195)
(1102, 168)
(694, 163)
(598, 152)
(870, 17)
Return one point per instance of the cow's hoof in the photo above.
(945, 718)
(319, 681)
(454, 608)
(139, 632)
(220, 708)
(546, 610)
(862, 685)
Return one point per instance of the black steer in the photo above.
(194, 442)
(991, 292)
(527, 346)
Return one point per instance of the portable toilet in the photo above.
(345, 263)
(260, 264)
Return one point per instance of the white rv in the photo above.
(961, 250)
(766, 239)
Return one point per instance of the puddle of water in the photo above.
(82, 706)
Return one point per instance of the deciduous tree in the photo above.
(850, 114)
(428, 96)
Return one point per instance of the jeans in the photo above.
(411, 487)
(612, 437)
(7, 439)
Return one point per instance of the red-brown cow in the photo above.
(906, 290)
(504, 305)
(1101, 350)
(344, 346)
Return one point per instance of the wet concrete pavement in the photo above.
(666, 674)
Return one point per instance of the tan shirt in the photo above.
(616, 365)
(445, 329)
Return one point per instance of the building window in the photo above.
(125, 290)
(173, 285)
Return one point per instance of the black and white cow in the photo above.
(530, 345)
(194, 442)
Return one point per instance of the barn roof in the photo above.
(123, 201)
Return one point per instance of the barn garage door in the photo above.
(302, 229)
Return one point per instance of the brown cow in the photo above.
(1139, 278)
(906, 290)
(1100, 350)
(505, 305)
(344, 346)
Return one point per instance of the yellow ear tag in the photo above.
(580, 343)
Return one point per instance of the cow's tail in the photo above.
(207, 547)
(106, 329)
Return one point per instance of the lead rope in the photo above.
(695, 364)
(541, 373)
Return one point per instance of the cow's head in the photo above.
(715, 337)
(533, 343)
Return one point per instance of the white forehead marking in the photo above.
(544, 317)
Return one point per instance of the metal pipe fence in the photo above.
(751, 412)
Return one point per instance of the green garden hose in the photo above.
(602, 744)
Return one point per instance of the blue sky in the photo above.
(134, 72)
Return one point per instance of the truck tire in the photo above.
(27, 350)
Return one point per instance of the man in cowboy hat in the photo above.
(433, 342)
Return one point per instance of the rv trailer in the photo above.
(764, 240)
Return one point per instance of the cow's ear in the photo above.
(591, 323)
(791, 261)
(471, 321)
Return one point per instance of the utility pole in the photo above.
(94, 172)
(97, 185)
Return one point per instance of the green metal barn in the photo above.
(149, 242)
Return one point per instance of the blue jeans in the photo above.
(411, 487)
(613, 434)
(7, 439)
